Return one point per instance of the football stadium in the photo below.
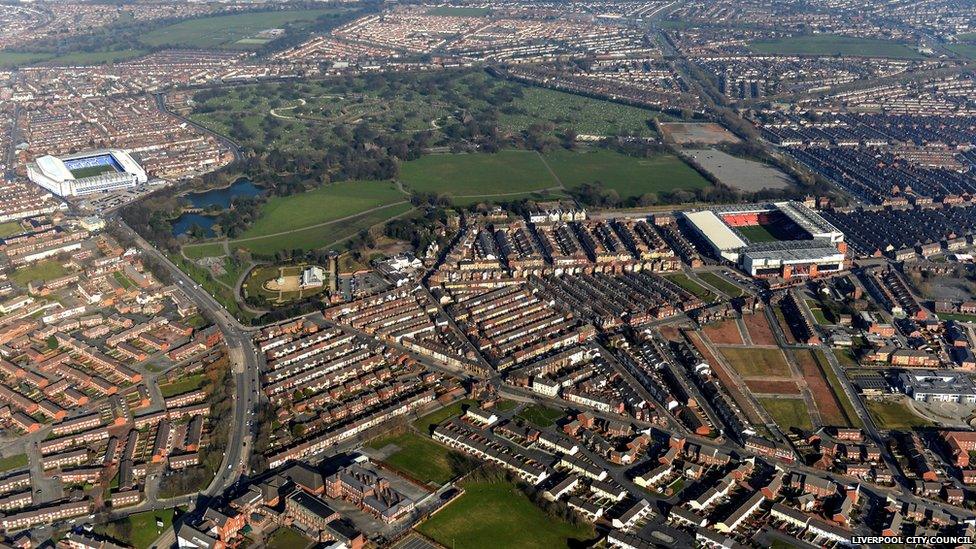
(780, 239)
(86, 173)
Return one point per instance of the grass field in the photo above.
(327, 203)
(13, 462)
(894, 415)
(12, 59)
(10, 228)
(833, 44)
(224, 30)
(203, 250)
(322, 236)
(123, 280)
(721, 284)
(788, 412)
(286, 538)
(95, 57)
(184, 385)
(757, 362)
(584, 115)
(452, 11)
(629, 176)
(477, 174)
(44, 271)
(692, 287)
(418, 456)
(757, 233)
(959, 317)
(143, 527)
(497, 514)
(540, 415)
(426, 424)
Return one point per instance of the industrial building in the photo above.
(86, 173)
(938, 386)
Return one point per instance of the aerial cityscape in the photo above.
(487, 274)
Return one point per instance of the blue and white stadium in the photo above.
(86, 173)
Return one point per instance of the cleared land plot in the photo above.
(759, 330)
(322, 205)
(740, 173)
(788, 412)
(706, 133)
(773, 386)
(828, 403)
(583, 115)
(323, 235)
(757, 362)
(835, 384)
(542, 416)
(478, 174)
(725, 378)
(184, 385)
(418, 457)
(10, 463)
(426, 424)
(692, 287)
(629, 176)
(43, 271)
(497, 514)
(834, 44)
(725, 332)
(10, 228)
(891, 414)
(225, 30)
(721, 284)
(784, 325)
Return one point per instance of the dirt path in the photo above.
(548, 167)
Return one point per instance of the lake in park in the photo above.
(242, 188)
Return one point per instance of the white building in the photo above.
(86, 173)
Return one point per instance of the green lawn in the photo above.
(497, 514)
(13, 462)
(418, 457)
(583, 115)
(142, 527)
(692, 287)
(540, 415)
(183, 385)
(833, 44)
(10, 228)
(10, 59)
(286, 538)
(125, 281)
(426, 424)
(95, 57)
(721, 284)
(477, 174)
(43, 271)
(757, 233)
(327, 203)
(506, 405)
(757, 362)
(957, 317)
(894, 415)
(628, 175)
(225, 30)
(214, 249)
(322, 236)
(788, 412)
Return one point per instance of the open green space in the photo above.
(426, 424)
(721, 284)
(497, 514)
(224, 295)
(324, 235)
(757, 233)
(322, 205)
(818, 313)
(42, 270)
(627, 175)
(224, 30)
(286, 537)
(197, 251)
(959, 317)
(12, 59)
(140, 530)
(583, 115)
(846, 358)
(417, 456)
(966, 50)
(838, 389)
(757, 362)
(692, 287)
(10, 228)
(540, 415)
(10, 463)
(477, 173)
(834, 44)
(788, 412)
(123, 280)
(890, 414)
(183, 385)
(95, 57)
(452, 11)
(506, 405)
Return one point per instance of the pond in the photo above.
(242, 188)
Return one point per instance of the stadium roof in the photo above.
(809, 220)
(789, 251)
(54, 168)
(715, 230)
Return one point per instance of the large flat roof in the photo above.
(715, 230)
